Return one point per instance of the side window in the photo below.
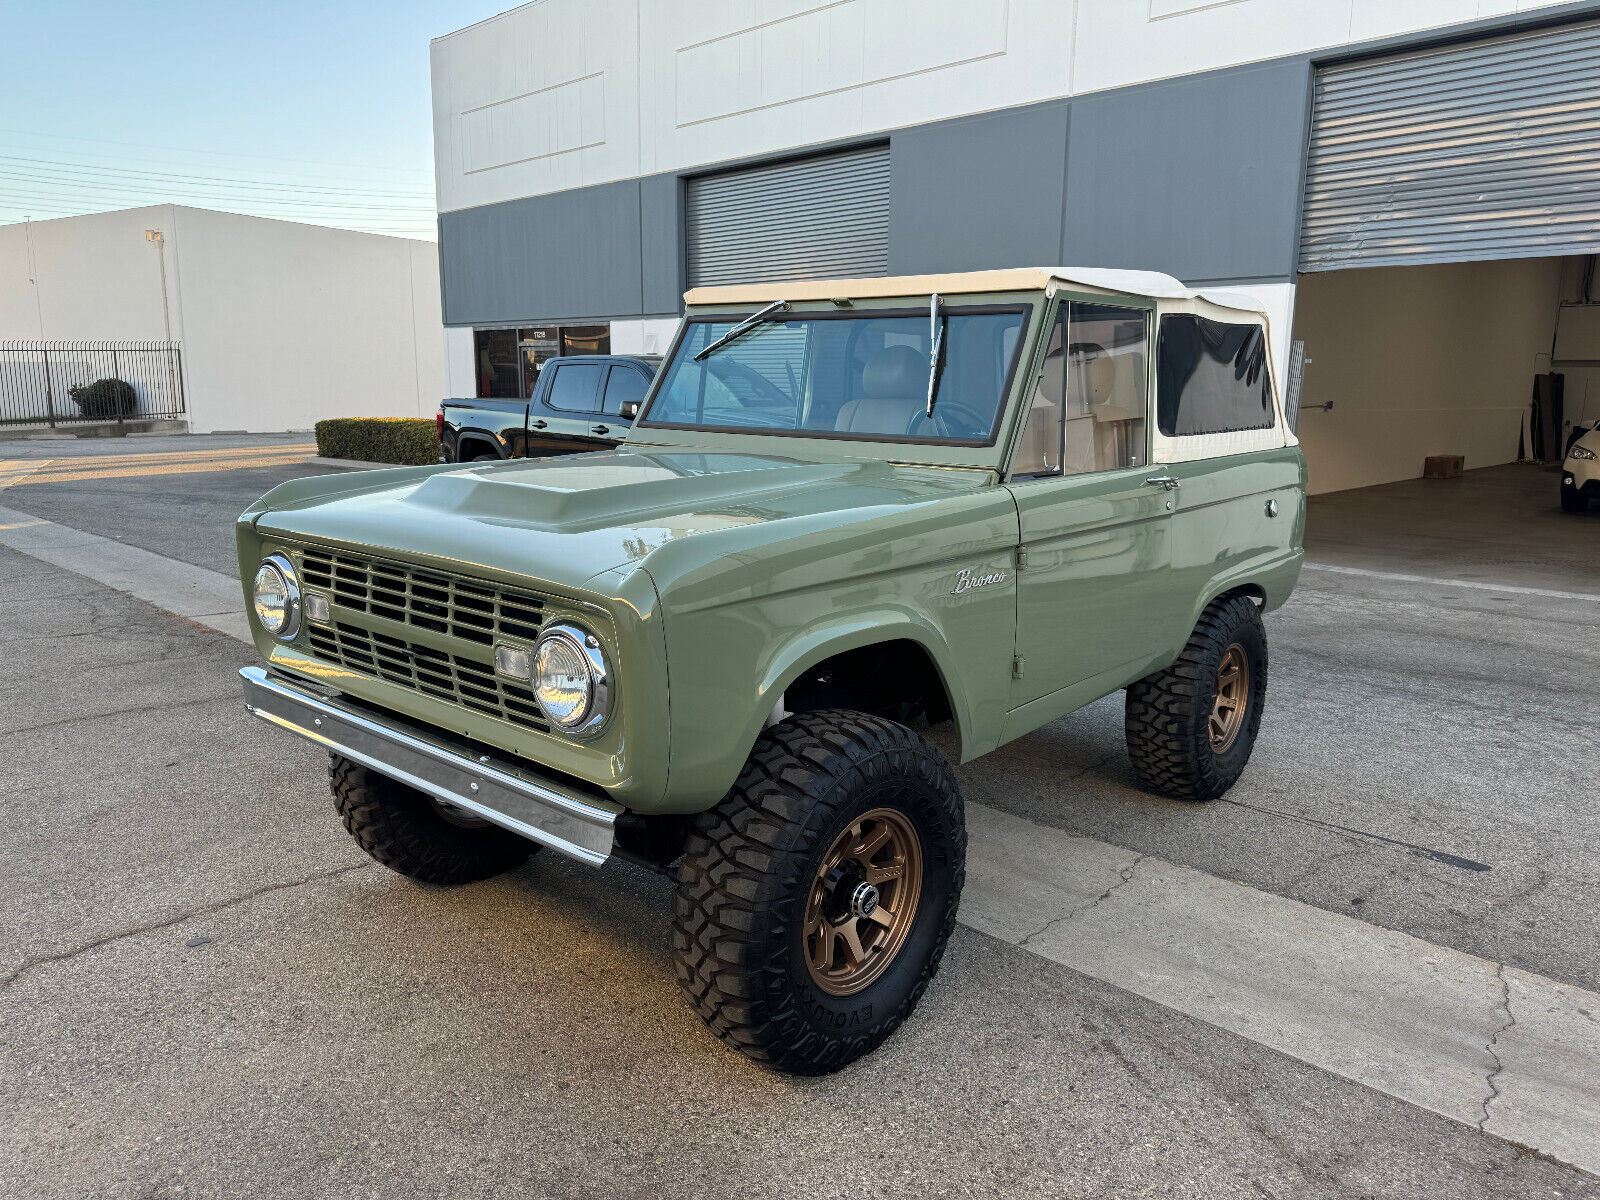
(1088, 408)
(1211, 377)
(576, 387)
(622, 385)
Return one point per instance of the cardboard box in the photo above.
(1443, 466)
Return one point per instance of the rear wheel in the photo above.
(814, 902)
(1191, 727)
(416, 835)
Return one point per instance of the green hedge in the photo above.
(404, 440)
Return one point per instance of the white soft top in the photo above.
(1151, 284)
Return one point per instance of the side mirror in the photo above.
(629, 410)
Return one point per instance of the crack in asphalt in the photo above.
(203, 910)
(167, 706)
(1489, 1048)
(1127, 878)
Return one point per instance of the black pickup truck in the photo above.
(580, 402)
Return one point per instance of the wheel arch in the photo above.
(811, 649)
(477, 441)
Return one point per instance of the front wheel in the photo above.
(815, 900)
(1572, 500)
(1190, 727)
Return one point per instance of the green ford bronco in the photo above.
(849, 511)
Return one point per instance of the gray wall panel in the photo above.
(1198, 177)
(978, 192)
(661, 234)
(566, 255)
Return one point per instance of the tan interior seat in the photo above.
(894, 385)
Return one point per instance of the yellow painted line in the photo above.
(135, 472)
(297, 448)
(22, 525)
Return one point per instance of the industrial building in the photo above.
(220, 321)
(1412, 189)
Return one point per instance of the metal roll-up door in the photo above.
(1481, 150)
(819, 218)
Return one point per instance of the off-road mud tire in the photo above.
(1167, 714)
(747, 871)
(401, 828)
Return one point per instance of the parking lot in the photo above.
(208, 988)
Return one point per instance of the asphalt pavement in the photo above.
(209, 989)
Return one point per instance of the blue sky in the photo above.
(305, 111)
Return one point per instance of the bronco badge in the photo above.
(967, 581)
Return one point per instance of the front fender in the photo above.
(707, 760)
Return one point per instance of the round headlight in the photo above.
(570, 680)
(275, 595)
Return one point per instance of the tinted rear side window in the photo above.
(576, 387)
(1211, 377)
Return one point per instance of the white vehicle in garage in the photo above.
(1580, 473)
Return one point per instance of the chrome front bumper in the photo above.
(505, 793)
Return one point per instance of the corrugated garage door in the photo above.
(816, 219)
(1485, 150)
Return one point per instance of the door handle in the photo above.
(1163, 481)
(602, 429)
(537, 424)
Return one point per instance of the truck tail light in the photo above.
(438, 424)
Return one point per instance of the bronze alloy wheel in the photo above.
(863, 901)
(1233, 698)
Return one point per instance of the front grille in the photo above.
(435, 673)
(458, 608)
(472, 612)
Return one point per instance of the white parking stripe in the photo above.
(1501, 1049)
(1504, 1050)
(206, 597)
(1474, 584)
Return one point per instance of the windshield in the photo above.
(844, 375)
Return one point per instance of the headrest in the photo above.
(896, 371)
(1094, 371)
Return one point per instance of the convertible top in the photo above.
(1151, 284)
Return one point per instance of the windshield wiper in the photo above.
(744, 327)
(936, 338)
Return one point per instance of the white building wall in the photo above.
(460, 371)
(651, 335)
(281, 323)
(90, 277)
(559, 94)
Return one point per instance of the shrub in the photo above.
(405, 440)
(107, 399)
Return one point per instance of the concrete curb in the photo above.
(153, 427)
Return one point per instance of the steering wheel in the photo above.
(950, 420)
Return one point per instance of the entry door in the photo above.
(562, 414)
(1091, 603)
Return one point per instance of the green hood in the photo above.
(565, 521)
